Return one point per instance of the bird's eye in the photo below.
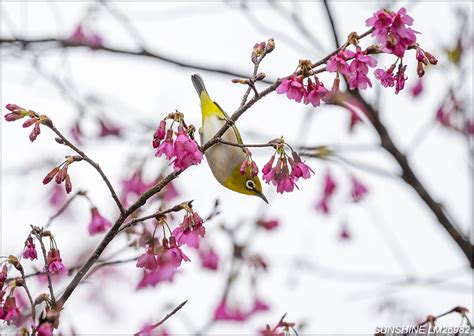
(250, 185)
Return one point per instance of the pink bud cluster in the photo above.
(60, 173)
(184, 150)
(18, 112)
(279, 173)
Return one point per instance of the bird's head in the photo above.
(245, 184)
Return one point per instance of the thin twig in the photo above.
(176, 208)
(63, 208)
(30, 298)
(92, 163)
(46, 269)
(171, 313)
(245, 145)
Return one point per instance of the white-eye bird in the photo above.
(224, 160)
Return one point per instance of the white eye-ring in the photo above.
(250, 185)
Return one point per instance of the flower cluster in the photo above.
(279, 174)
(295, 89)
(392, 31)
(355, 72)
(162, 262)
(60, 173)
(190, 231)
(18, 112)
(184, 150)
(98, 223)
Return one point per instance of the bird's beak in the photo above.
(262, 196)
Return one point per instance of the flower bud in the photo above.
(35, 132)
(68, 184)
(29, 122)
(260, 76)
(270, 46)
(420, 69)
(433, 60)
(50, 175)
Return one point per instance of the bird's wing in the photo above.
(236, 131)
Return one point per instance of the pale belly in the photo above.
(222, 159)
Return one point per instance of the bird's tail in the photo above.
(198, 84)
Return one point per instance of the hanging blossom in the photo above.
(30, 250)
(10, 312)
(98, 223)
(279, 174)
(359, 190)
(80, 35)
(162, 262)
(209, 259)
(224, 312)
(54, 261)
(190, 231)
(328, 192)
(184, 150)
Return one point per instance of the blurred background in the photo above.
(384, 260)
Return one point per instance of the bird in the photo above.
(224, 160)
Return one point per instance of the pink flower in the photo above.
(268, 331)
(11, 313)
(107, 129)
(286, 184)
(279, 175)
(259, 306)
(344, 234)
(293, 87)
(328, 191)
(57, 197)
(159, 134)
(135, 185)
(167, 147)
(386, 78)
(45, 329)
(76, 132)
(359, 190)
(148, 260)
(54, 262)
(359, 68)
(174, 255)
(190, 231)
(299, 169)
(381, 22)
(209, 259)
(225, 313)
(163, 273)
(98, 223)
(30, 250)
(249, 166)
(337, 63)
(316, 93)
(186, 150)
(417, 89)
(400, 78)
(267, 170)
(269, 224)
(78, 35)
